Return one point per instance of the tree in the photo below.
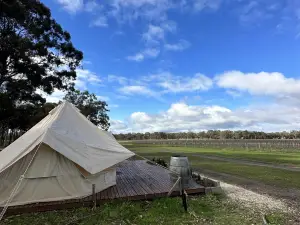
(40, 112)
(23, 117)
(36, 53)
(94, 109)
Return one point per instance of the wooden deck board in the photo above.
(125, 185)
(151, 180)
(115, 190)
(138, 181)
(121, 191)
(135, 183)
(135, 180)
(159, 180)
(161, 183)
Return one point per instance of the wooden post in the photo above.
(94, 196)
(183, 196)
(184, 200)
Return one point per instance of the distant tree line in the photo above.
(210, 134)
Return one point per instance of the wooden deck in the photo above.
(136, 180)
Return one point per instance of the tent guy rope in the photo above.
(18, 184)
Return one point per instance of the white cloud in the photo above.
(130, 10)
(138, 117)
(80, 84)
(147, 53)
(263, 83)
(116, 125)
(156, 85)
(136, 3)
(254, 13)
(119, 79)
(74, 6)
(286, 12)
(151, 52)
(136, 89)
(55, 97)
(123, 97)
(101, 21)
(86, 77)
(71, 6)
(281, 113)
(156, 11)
(233, 93)
(92, 6)
(274, 7)
(103, 98)
(180, 46)
(138, 57)
(119, 32)
(154, 34)
(200, 5)
(183, 117)
(111, 106)
(169, 26)
(170, 83)
(86, 62)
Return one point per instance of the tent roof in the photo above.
(70, 133)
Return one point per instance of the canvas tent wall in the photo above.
(61, 157)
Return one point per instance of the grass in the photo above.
(275, 157)
(266, 175)
(271, 176)
(209, 209)
(275, 177)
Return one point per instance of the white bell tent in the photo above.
(58, 159)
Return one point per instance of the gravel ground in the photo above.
(262, 202)
(252, 199)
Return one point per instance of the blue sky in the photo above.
(179, 65)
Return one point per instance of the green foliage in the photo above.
(94, 109)
(35, 51)
(209, 209)
(36, 54)
(22, 118)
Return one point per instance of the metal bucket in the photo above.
(181, 166)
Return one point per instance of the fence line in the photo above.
(227, 143)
